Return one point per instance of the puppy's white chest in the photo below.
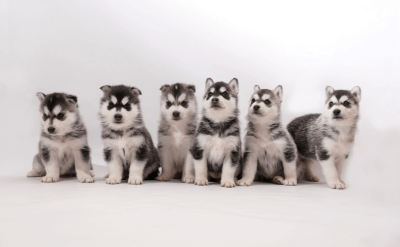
(125, 145)
(217, 147)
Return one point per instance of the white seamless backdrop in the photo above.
(78, 46)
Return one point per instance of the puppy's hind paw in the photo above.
(312, 178)
(278, 180)
(244, 182)
(337, 185)
(48, 179)
(113, 180)
(228, 183)
(33, 173)
(163, 177)
(188, 180)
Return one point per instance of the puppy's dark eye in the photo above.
(169, 104)
(45, 117)
(128, 107)
(184, 103)
(225, 95)
(110, 106)
(60, 116)
(210, 94)
(253, 100)
(267, 102)
(346, 103)
(330, 104)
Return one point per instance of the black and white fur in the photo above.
(217, 147)
(176, 131)
(128, 147)
(269, 149)
(63, 145)
(328, 137)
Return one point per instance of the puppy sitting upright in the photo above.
(129, 149)
(269, 148)
(63, 146)
(328, 138)
(217, 147)
(176, 131)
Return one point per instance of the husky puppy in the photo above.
(328, 137)
(217, 146)
(176, 131)
(63, 146)
(269, 149)
(128, 147)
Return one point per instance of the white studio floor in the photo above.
(69, 213)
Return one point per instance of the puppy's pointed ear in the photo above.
(164, 87)
(329, 91)
(209, 82)
(136, 90)
(278, 91)
(105, 88)
(256, 88)
(356, 91)
(234, 84)
(41, 96)
(191, 88)
(72, 99)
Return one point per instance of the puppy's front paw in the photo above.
(163, 177)
(201, 182)
(135, 181)
(48, 179)
(244, 182)
(188, 179)
(86, 179)
(290, 182)
(113, 180)
(228, 183)
(336, 185)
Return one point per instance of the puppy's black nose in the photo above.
(214, 100)
(256, 107)
(118, 117)
(175, 114)
(51, 129)
(336, 112)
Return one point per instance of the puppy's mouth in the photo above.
(118, 121)
(176, 118)
(337, 117)
(256, 113)
(215, 106)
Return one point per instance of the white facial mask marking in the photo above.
(222, 89)
(182, 97)
(212, 90)
(171, 98)
(256, 97)
(46, 110)
(113, 99)
(125, 100)
(266, 96)
(344, 98)
(57, 110)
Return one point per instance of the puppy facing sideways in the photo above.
(128, 147)
(328, 137)
(269, 149)
(217, 146)
(176, 131)
(63, 146)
